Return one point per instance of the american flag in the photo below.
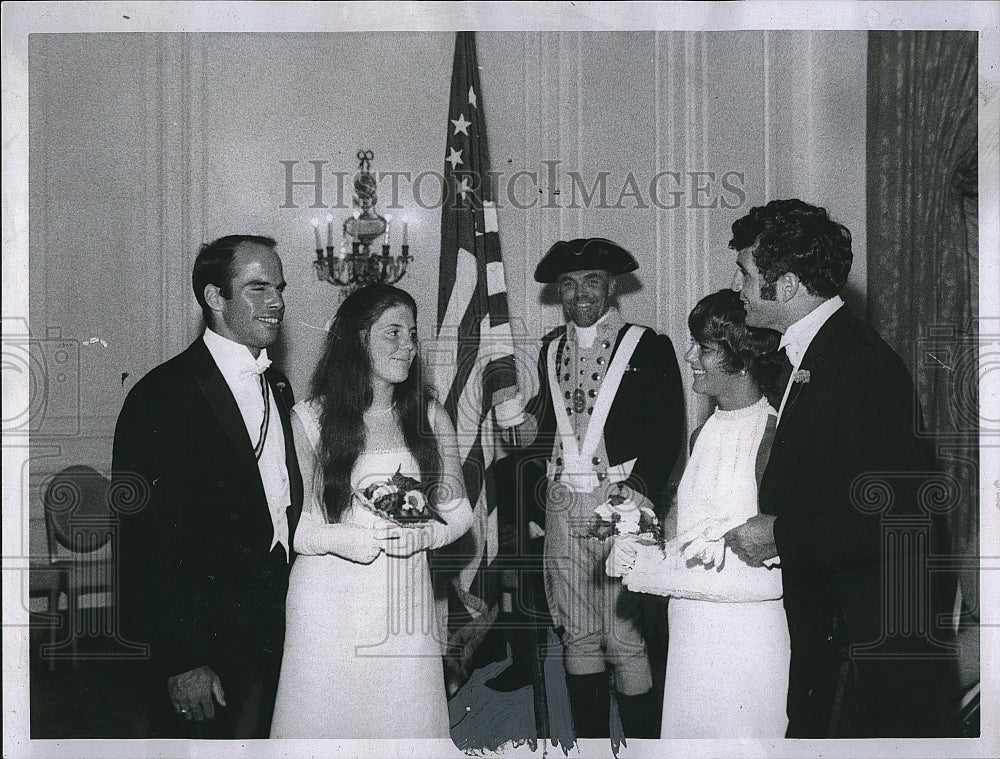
(477, 372)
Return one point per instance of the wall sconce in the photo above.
(358, 265)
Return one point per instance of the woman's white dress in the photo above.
(727, 661)
(363, 643)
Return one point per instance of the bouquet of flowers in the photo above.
(400, 500)
(621, 515)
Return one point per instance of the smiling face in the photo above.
(252, 315)
(710, 378)
(585, 295)
(392, 345)
(762, 307)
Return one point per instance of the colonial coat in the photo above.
(638, 445)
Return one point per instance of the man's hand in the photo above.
(753, 541)
(191, 693)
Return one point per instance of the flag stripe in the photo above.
(476, 368)
(495, 282)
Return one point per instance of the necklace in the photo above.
(377, 412)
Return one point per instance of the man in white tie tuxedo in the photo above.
(204, 443)
(847, 471)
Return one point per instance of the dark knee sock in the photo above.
(640, 715)
(590, 701)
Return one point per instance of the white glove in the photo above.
(350, 542)
(711, 553)
(621, 557)
(510, 413)
(704, 543)
(402, 542)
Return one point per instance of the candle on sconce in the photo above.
(329, 231)
(406, 239)
(319, 241)
(388, 219)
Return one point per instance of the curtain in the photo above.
(923, 258)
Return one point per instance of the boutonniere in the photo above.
(802, 376)
(280, 385)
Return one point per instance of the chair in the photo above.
(79, 526)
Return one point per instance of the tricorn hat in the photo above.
(581, 254)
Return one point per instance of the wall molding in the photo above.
(176, 179)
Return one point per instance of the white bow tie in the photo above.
(259, 366)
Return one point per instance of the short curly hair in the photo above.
(719, 319)
(793, 236)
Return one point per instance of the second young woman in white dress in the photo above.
(728, 654)
(363, 642)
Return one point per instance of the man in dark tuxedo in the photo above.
(841, 497)
(204, 443)
(608, 418)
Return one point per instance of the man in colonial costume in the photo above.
(608, 418)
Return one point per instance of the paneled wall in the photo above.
(144, 146)
(691, 129)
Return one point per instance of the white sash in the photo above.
(578, 468)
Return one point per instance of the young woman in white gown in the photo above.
(363, 645)
(728, 655)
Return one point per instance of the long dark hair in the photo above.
(342, 385)
(719, 318)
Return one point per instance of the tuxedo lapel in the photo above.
(220, 399)
(793, 392)
(813, 360)
(282, 397)
(777, 391)
(279, 389)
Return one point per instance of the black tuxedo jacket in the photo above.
(196, 581)
(843, 479)
(646, 419)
